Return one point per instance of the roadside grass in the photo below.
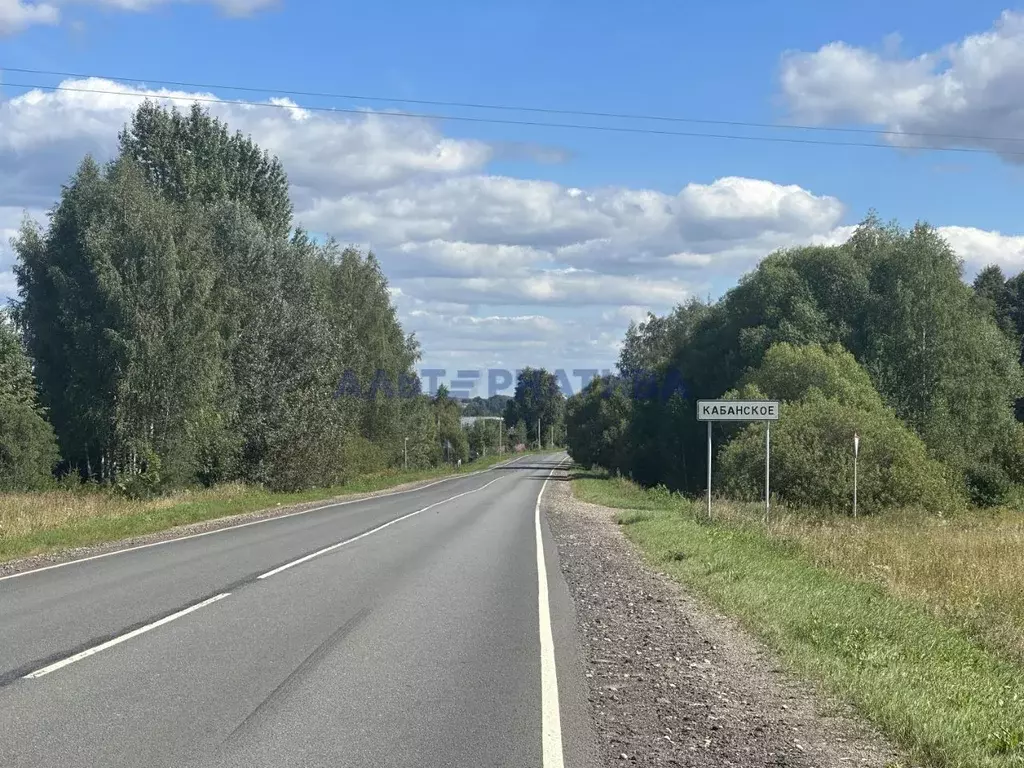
(915, 621)
(49, 521)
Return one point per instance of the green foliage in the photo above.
(597, 423)
(483, 437)
(988, 484)
(182, 334)
(827, 397)
(883, 321)
(491, 406)
(193, 158)
(148, 481)
(791, 373)
(28, 447)
(996, 299)
(537, 398)
(812, 461)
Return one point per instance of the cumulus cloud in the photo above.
(966, 93)
(979, 248)
(488, 270)
(18, 15)
(515, 221)
(555, 287)
(230, 7)
(43, 134)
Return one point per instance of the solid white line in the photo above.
(118, 640)
(333, 547)
(551, 721)
(257, 522)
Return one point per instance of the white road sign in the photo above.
(737, 410)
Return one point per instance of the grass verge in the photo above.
(946, 698)
(38, 523)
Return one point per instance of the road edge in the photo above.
(579, 733)
(21, 566)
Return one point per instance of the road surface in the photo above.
(416, 629)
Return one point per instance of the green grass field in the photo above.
(37, 523)
(917, 623)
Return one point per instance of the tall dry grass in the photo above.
(22, 514)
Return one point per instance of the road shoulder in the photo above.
(71, 554)
(672, 682)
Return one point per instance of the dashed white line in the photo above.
(333, 547)
(551, 721)
(118, 640)
(227, 528)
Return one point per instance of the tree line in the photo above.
(880, 336)
(174, 327)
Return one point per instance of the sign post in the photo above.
(741, 410)
(856, 450)
(767, 465)
(709, 470)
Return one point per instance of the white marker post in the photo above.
(767, 473)
(709, 470)
(740, 410)
(856, 450)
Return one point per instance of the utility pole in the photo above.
(406, 452)
(539, 439)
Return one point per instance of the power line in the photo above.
(500, 121)
(515, 108)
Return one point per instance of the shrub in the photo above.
(146, 483)
(812, 461)
(988, 484)
(28, 448)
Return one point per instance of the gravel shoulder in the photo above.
(674, 683)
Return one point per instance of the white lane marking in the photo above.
(333, 547)
(118, 640)
(551, 720)
(258, 522)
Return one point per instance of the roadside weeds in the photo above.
(98, 524)
(946, 699)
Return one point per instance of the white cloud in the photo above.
(556, 287)
(519, 221)
(487, 270)
(456, 258)
(231, 7)
(960, 93)
(979, 248)
(44, 133)
(18, 15)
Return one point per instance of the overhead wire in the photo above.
(194, 98)
(520, 108)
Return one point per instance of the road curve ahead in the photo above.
(414, 630)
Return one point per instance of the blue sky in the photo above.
(722, 61)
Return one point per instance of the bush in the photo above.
(28, 448)
(812, 461)
(988, 484)
(148, 482)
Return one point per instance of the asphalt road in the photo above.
(429, 634)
